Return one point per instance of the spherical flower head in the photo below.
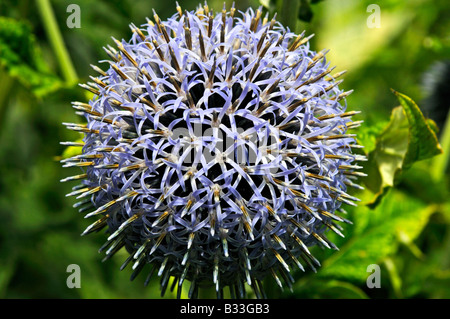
(216, 150)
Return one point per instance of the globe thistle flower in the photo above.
(215, 151)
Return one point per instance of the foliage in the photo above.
(20, 57)
(401, 224)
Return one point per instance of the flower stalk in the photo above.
(440, 162)
(56, 41)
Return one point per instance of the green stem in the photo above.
(56, 41)
(394, 276)
(5, 94)
(440, 162)
(287, 13)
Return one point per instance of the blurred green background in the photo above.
(407, 234)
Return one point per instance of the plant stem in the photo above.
(56, 41)
(5, 94)
(440, 162)
(288, 12)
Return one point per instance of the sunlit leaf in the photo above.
(433, 126)
(386, 160)
(423, 142)
(397, 215)
(20, 57)
(408, 138)
(367, 135)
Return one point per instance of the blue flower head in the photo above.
(216, 150)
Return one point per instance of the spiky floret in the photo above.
(216, 150)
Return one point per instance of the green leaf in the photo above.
(367, 135)
(433, 126)
(21, 58)
(407, 138)
(328, 289)
(386, 160)
(394, 276)
(430, 275)
(397, 218)
(423, 142)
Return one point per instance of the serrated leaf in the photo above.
(20, 57)
(423, 142)
(397, 216)
(389, 153)
(408, 138)
(433, 126)
(367, 135)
